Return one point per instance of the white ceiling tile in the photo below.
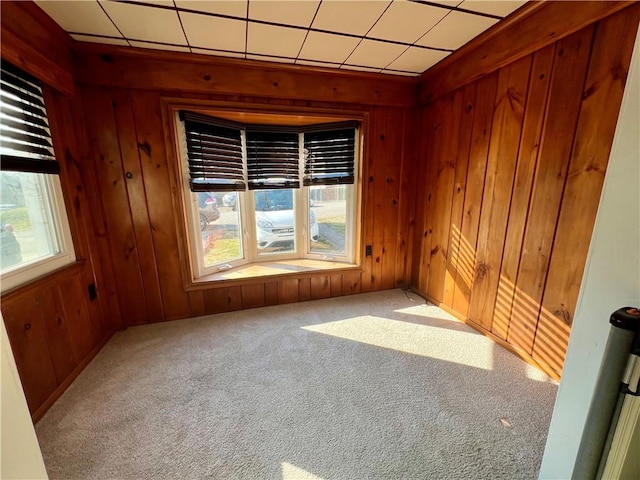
(495, 7)
(371, 53)
(289, 12)
(403, 74)
(349, 16)
(265, 58)
(327, 47)
(159, 46)
(234, 8)
(417, 59)
(80, 17)
(213, 32)
(406, 21)
(456, 30)
(146, 23)
(270, 40)
(105, 40)
(217, 53)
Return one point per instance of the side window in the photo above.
(34, 231)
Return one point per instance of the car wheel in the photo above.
(203, 222)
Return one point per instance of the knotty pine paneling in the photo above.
(53, 327)
(142, 208)
(510, 260)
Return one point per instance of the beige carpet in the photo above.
(372, 386)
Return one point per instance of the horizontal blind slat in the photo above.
(214, 155)
(329, 157)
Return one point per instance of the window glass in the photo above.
(275, 221)
(328, 219)
(28, 230)
(220, 227)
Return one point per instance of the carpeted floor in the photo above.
(372, 386)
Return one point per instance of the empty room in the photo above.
(316, 239)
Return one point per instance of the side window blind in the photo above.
(214, 154)
(273, 160)
(329, 156)
(25, 140)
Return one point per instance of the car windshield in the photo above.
(272, 200)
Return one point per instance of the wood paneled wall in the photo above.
(126, 135)
(513, 165)
(53, 327)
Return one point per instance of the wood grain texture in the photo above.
(135, 68)
(569, 71)
(535, 170)
(32, 41)
(496, 200)
(531, 28)
(467, 237)
(455, 255)
(446, 152)
(105, 157)
(537, 97)
(601, 101)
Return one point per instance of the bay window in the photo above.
(271, 193)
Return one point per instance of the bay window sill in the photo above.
(271, 271)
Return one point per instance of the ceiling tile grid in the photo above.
(397, 37)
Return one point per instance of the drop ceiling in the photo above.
(400, 37)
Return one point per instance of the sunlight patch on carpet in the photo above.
(424, 340)
(291, 472)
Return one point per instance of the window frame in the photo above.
(50, 183)
(197, 275)
(23, 273)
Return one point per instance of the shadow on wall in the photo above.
(378, 386)
(516, 317)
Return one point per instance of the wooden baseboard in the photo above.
(39, 413)
(500, 341)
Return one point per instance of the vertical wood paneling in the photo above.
(601, 100)
(433, 128)
(535, 168)
(320, 287)
(134, 183)
(106, 159)
(445, 178)
(496, 199)
(351, 283)
(380, 143)
(253, 295)
(462, 150)
(58, 339)
(390, 200)
(527, 159)
(271, 293)
(215, 300)
(407, 202)
(476, 171)
(288, 290)
(234, 297)
(196, 303)
(76, 317)
(336, 285)
(28, 337)
(154, 163)
(569, 70)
